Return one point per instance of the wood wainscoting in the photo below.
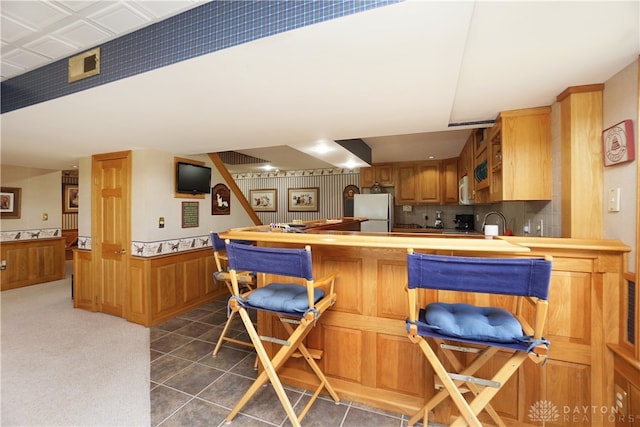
(369, 359)
(30, 262)
(159, 288)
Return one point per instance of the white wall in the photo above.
(620, 102)
(153, 197)
(84, 195)
(41, 192)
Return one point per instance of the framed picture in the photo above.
(264, 200)
(10, 202)
(618, 143)
(70, 201)
(303, 199)
(190, 214)
(220, 200)
(347, 199)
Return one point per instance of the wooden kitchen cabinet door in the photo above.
(450, 181)
(418, 183)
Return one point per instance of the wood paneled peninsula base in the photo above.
(369, 359)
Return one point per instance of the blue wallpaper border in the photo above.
(213, 26)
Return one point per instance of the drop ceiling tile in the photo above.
(51, 47)
(163, 9)
(24, 59)
(37, 14)
(82, 33)
(78, 5)
(119, 18)
(8, 70)
(13, 31)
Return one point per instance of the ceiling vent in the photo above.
(85, 65)
(235, 158)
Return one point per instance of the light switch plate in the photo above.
(614, 200)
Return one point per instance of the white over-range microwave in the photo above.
(463, 191)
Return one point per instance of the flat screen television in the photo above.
(193, 179)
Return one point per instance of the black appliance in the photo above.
(464, 222)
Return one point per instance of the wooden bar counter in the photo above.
(369, 359)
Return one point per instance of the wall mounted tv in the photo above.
(192, 179)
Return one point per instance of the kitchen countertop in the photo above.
(433, 241)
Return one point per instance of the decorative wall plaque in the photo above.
(190, 214)
(618, 143)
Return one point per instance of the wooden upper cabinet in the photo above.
(418, 183)
(367, 177)
(450, 181)
(519, 155)
(383, 174)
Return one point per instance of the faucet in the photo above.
(504, 220)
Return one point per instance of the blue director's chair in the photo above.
(246, 280)
(297, 300)
(474, 330)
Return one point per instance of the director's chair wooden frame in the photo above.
(291, 303)
(247, 283)
(527, 279)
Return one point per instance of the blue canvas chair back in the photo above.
(279, 261)
(505, 276)
(220, 245)
(217, 242)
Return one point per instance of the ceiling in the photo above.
(395, 76)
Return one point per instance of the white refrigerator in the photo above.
(378, 208)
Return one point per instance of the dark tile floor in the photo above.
(190, 387)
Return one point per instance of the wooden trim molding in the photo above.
(579, 89)
(219, 164)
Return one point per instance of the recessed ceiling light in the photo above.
(267, 167)
(322, 148)
(350, 165)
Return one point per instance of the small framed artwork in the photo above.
(190, 214)
(10, 202)
(303, 199)
(347, 199)
(264, 200)
(70, 200)
(618, 143)
(220, 200)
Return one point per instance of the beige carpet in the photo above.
(62, 366)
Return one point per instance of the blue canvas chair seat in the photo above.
(246, 282)
(282, 298)
(477, 330)
(299, 301)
